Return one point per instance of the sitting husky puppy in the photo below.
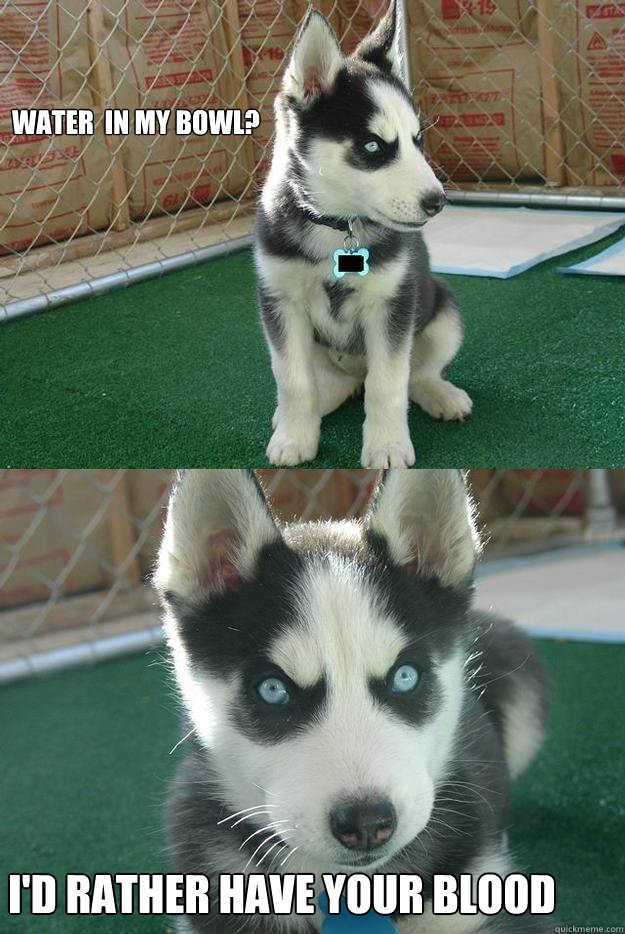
(349, 711)
(348, 162)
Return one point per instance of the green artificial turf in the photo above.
(174, 372)
(85, 760)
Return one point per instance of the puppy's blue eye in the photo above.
(372, 146)
(273, 691)
(405, 679)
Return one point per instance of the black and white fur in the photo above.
(395, 329)
(332, 609)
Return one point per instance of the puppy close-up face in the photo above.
(356, 138)
(321, 665)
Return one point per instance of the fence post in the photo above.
(600, 511)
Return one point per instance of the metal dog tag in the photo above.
(351, 261)
(352, 258)
(347, 923)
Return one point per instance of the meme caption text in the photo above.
(291, 893)
(145, 122)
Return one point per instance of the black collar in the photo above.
(336, 223)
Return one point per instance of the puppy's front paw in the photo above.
(383, 450)
(441, 399)
(293, 442)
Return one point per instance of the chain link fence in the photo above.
(524, 99)
(77, 546)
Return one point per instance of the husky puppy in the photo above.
(349, 151)
(348, 710)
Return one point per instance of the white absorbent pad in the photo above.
(572, 593)
(610, 262)
(503, 242)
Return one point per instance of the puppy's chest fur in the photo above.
(341, 310)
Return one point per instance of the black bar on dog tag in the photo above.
(351, 262)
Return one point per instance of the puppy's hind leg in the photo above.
(433, 348)
(334, 385)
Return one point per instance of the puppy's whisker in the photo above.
(446, 810)
(252, 817)
(266, 854)
(180, 742)
(264, 790)
(270, 826)
(427, 124)
(277, 854)
(288, 856)
(254, 807)
(245, 817)
(456, 830)
(259, 847)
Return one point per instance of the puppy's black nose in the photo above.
(433, 202)
(363, 824)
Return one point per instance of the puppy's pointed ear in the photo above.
(381, 47)
(426, 519)
(315, 61)
(217, 523)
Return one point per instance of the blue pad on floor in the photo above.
(503, 242)
(610, 262)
